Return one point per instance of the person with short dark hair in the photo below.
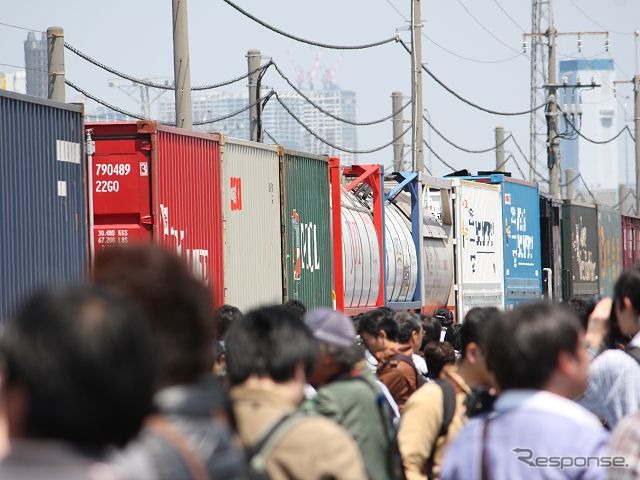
(78, 378)
(350, 395)
(434, 415)
(225, 316)
(410, 338)
(296, 307)
(191, 435)
(270, 355)
(432, 330)
(540, 363)
(437, 356)
(380, 333)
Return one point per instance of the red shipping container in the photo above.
(151, 182)
(630, 241)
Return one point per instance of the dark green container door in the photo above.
(306, 248)
(610, 244)
(581, 255)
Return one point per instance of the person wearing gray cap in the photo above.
(349, 394)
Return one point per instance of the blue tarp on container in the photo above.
(43, 212)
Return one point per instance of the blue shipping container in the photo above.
(43, 214)
(522, 248)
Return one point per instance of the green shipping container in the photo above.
(306, 239)
(610, 245)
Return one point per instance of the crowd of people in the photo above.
(135, 376)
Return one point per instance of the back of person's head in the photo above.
(477, 327)
(177, 305)
(628, 286)
(225, 316)
(270, 342)
(525, 344)
(582, 308)
(437, 355)
(445, 316)
(296, 307)
(380, 319)
(82, 361)
(408, 323)
(432, 329)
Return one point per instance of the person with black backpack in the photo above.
(436, 412)
(349, 394)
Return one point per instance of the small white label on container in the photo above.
(67, 151)
(62, 188)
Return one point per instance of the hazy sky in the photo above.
(135, 36)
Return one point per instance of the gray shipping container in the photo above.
(580, 253)
(44, 238)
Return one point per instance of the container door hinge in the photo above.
(147, 220)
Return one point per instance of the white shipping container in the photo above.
(478, 250)
(401, 256)
(251, 224)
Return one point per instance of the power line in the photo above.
(326, 112)
(102, 102)
(161, 86)
(524, 177)
(590, 140)
(309, 42)
(342, 149)
(21, 28)
(270, 136)
(264, 98)
(438, 156)
(469, 102)
(450, 52)
(539, 175)
(487, 30)
(23, 67)
(597, 23)
(467, 150)
(508, 16)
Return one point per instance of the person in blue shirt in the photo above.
(535, 431)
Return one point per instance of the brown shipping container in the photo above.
(150, 182)
(610, 245)
(630, 241)
(251, 212)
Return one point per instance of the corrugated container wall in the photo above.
(251, 219)
(43, 220)
(551, 240)
(522, 248)
(630, 241)
(581, 258)
(306, 253)
(479, 257)
(162, 184)
(610, 246)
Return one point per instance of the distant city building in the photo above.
(14, 82)
(277, 123)
(104, 114)
(594, 112)
(35, 59)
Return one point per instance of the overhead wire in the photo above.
(469, 102)
(463, 149)
(329, 144)
(590, 140)
(309, 42)
(438, 156)
(161, 86)
(328, 113)
(102, 102)
(509, 16)
(588, 17)
(21, 28)
(493, 35)
(264, 98)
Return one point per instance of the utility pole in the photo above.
(570, 178)
(500, 163)
(181, 65)
(55, 63)
(255, 112)
(553, 157)
(636, 115)
(398, 123)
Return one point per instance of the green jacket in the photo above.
(353, 402)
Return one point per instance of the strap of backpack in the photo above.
(634, 352)
(401, 357)
(260, 451)
(448, 411)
